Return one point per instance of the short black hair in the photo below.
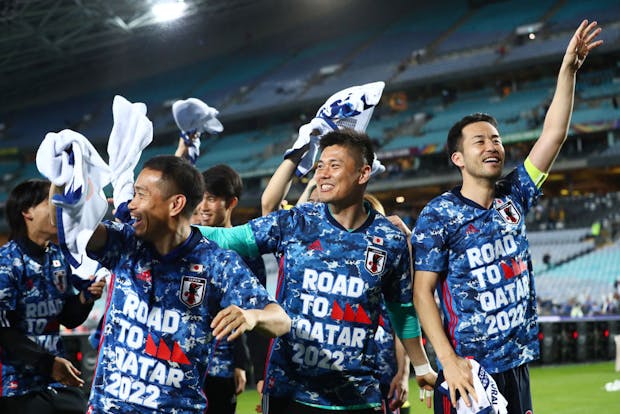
(23, 196)
(455, 134)
(356, 141)
(222, 181)
(182, 176)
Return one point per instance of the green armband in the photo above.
(239, 238)
(537, 176)
(404, 319)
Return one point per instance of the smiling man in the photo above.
(339, 260)
(226, 376)
(471, 245)
(172, 293)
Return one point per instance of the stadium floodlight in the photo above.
(168, 10)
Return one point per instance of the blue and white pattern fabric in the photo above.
(222, 362)
(486, 287)
(333, 284)
(36, 292)
(68, 159)
(156, 338)
(383, 349)
(490, 400)
(194, 117)
(349, 108)
(131, 133)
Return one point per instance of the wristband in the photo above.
(421, 370)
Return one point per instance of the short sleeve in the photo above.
(238, 284)
(119, 236)
(429, 241)
(270, 230)
(397, 287)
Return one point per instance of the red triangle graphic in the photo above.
(362, 316)
(178, 355)
(349, 313)
(337, 313)
(150, 348)
(516, 269)
(508, 273)
(163, 352)
(316, 245)
(381, 321)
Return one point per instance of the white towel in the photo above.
(377, 167)
(349, 108)
(68, 158)
(194, 117)
(490, 400)
(131, 133)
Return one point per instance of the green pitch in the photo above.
(563, 389)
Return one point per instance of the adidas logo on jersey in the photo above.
(471, 229)
(315, 245)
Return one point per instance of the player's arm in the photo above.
(100, 235)
(557, 119)
(238, 238)
(280, 182)
(399, 386)
(305, 195)
(457, 370)
(271, 321)
(278, 186)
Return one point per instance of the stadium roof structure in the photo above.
(47, 43)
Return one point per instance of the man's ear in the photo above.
(457, 159)
(177, 204)
(232, 203)
(27, 214)
(364, 174)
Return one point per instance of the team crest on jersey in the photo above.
(192, 290)
(509, 213)
(60, 280)
(375, 260)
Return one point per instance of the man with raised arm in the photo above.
(470, 244)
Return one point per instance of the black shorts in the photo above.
(221, 396)
(276, 405)
(61, 400)
(513, 384)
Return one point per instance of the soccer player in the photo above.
(36, 297)
(173, 291)
(392, 362)
(470, 244)
(340, 260)
(226, 376)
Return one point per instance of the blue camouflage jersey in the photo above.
(383, 350)
(35, 292)
(486, 287)
(222, 362)
(156, 337)
(334, 282)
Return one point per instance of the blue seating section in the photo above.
(492, 23)
(591, 275)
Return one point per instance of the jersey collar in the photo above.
(360, 229)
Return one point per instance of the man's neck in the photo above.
(40, 239)
(349, 216)
(173, 239)
(481, 191)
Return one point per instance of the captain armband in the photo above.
(537, 176)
